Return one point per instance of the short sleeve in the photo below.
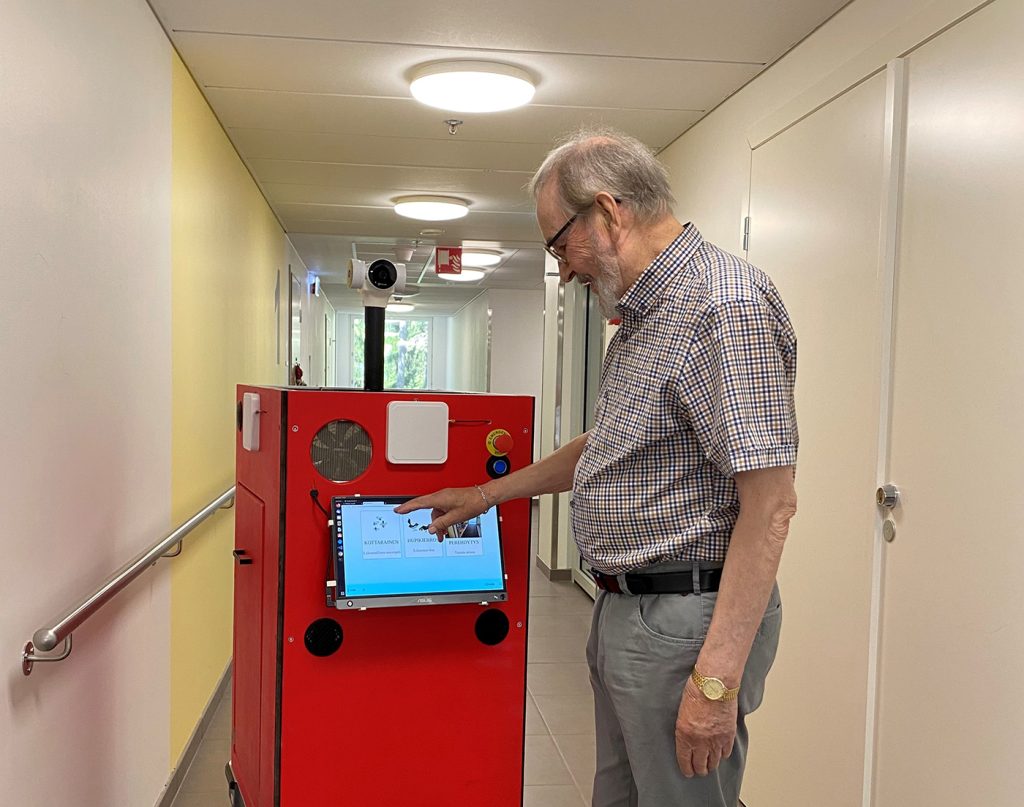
(737, 386)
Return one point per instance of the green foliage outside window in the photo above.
(406, 353)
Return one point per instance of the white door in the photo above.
(951, 712)
(330, 345)
(815, 212)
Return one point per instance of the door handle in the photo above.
(887, 496)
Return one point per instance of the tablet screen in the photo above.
(382, 558)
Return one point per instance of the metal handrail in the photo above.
(61, 628)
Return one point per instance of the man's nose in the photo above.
(565, 272)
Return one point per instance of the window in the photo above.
(406, 352)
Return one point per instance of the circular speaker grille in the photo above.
(341, 451)
(323, 637)
(492, 626)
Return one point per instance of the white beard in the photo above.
(607, 285)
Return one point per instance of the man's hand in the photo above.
(705, 731)
(449, 506)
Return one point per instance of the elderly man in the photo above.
(682, 490)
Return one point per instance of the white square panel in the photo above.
(417, 432)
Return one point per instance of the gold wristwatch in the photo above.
(712, 688)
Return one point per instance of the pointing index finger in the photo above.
(420, 503)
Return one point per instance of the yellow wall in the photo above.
(226, 252)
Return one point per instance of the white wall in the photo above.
(561, 407)
(467, 347)
(317, 323)
(330, 325)
(311, 337)
(710, 164)
(517, 346)
(314, 334)
(85, 331)
(439, 327)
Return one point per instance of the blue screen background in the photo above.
(387, 554)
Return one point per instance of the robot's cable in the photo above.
(314, 494)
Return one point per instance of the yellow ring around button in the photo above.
(492, 439)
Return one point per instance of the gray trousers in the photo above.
(641, 651)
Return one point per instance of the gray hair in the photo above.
(595, 160)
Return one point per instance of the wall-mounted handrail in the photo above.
(60, 629)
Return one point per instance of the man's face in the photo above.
(588, 258)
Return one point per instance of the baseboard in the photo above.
(558, 575)
(177, 776)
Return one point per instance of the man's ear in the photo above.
(610, 213)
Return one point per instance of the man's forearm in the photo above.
(553, 474)
(766, 506)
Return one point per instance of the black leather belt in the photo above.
(664, 583)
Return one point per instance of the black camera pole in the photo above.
(373, 349)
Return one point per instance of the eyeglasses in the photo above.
(549, 245)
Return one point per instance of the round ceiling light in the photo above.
(480, 257)
(465, 276)
(431, 208)
(465, 86)
(399, 308)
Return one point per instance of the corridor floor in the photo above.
(559, 710)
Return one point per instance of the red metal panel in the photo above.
(247, 669)
(413, 709)
(259, 474)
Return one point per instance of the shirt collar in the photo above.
(647, 289)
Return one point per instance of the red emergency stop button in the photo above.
(503, 444)
(500, 443)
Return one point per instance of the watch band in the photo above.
(713, 688)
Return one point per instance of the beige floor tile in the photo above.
(206, 774)
(560, 604)
(217, 747)
(544, 765)
(551, 796)
(567, 714)
(205, 783)
(559, 624)
(204, 799)
(540, 586)
(572, 592)
(558, 679)
(220, 726)
(570, 649)
(534, 721)
(578, 751)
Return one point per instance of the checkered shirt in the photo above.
(697, 386)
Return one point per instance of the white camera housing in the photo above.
(377, 281)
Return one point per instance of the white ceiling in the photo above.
(314, 95)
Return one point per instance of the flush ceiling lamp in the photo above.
(399, 308)
(465, 276)
(431, 208)
(464, 86)
(480, 257)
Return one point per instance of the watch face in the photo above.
(713, 689)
